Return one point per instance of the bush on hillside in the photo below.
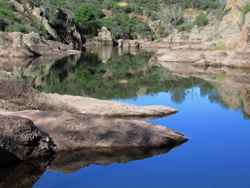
(201, 20)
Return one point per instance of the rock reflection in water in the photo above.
(129, 76)
(26, 174)
(22, 175)
(73, 161)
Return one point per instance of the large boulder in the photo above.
(72, 131)
(20, 139)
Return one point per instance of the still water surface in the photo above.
(213, 114)
(217, 154)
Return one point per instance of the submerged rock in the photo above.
(74, 131)
(20, 139)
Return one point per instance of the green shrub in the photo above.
(204, 4)
(6, 11)
(220, 45)
(186, 26)
(201, 20)
(87, 16)
(122, 26)
(245, 10)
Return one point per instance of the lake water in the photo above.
(214, 112)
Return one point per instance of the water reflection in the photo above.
(73, 161)
(22, 175)
(129, 76)
(123, 76)
(26, 174)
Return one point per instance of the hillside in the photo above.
(128, 19)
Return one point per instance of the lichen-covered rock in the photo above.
(22, 140)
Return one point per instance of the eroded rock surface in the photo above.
(73, 131)
(22, 140)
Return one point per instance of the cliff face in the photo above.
(229, 31)
(235, 25)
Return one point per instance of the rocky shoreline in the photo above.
(72, 123)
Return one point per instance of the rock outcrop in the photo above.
(104, 37)
(37, 14)
(74, 131)
(27, 45)
(19, 96)
(22, 140)
(230, 86)
(78, 122)
(62, 29)
(207, 58)
(66, 30)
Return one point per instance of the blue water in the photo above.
(217, 154)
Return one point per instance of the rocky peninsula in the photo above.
(72, 123)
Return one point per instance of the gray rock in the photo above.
(22, 140)
(72, 131)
